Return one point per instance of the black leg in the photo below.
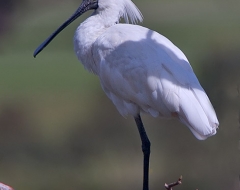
(146, 150)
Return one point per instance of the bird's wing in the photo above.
(133, 60)
(140, 69)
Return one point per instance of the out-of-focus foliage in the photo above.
(59, 131)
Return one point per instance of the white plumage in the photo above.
(141, 70)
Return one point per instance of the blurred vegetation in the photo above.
(58, 130)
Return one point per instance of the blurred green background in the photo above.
(58, 130)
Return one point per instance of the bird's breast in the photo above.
(85, 36)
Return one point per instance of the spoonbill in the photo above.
(140, 70)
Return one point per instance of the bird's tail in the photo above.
(197, 113)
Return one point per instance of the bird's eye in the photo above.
(94, 4)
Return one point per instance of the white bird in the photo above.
(140, 70)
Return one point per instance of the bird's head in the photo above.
(122, 8)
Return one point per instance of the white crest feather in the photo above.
(131, 12)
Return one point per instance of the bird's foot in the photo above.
(171, 185)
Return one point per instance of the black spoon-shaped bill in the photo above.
(85, 6)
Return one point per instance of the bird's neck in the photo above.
(85, 36)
